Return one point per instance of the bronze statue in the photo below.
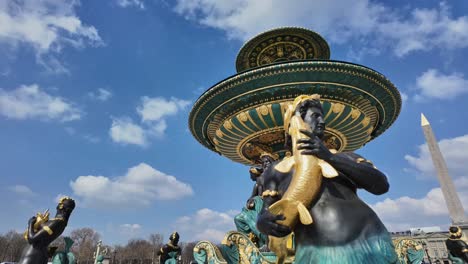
(169, 252)
(265, 159)
(42, 231)
(332, 225)
(456, 246)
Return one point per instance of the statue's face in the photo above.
(313, 116)
(266, 161)
(67, 206)
(174, 239)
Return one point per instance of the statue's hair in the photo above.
(313, 100)
(268, 154)
(455, 231)
(174, 235)
(70, 203)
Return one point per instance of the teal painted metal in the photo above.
(355, 85)
(65, 257)
(246, 221)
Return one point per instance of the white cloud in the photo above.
(92, 139)
(406, 212)
(156, 108)
(22, 190)
(404, 97)
(127, 3)
(30, 102)
(124, 131)
(70, 131)
(153, 113)
(206, 224)
(130, 230)
(46, 26)
(373, 25)
(454, 152)
(433, 84)
(100, 95)
(140, 186)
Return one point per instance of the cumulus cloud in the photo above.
(206, 224)
(371, 24)
(153, 113)
(100, 95)
(22, 190)
(30, 102)
(130, 230)
(124, 131)
(155, 109)
(453, 150)
(407, 212)
(404, 212)
(47, 27)
(435, 85)
(131, 3)
(140, 186)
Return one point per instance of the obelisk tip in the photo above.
(424, 121)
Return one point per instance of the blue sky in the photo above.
(95, 97)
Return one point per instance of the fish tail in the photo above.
(304, 214)
(291, 210)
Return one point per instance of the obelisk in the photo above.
(455, 208)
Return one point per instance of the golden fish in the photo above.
(305, 182)
(41, 218)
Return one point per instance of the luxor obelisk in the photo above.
(455, 208)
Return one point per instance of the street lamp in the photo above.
(427, 253)
(113, 257)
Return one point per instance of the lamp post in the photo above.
(113, 257)
(427, 253)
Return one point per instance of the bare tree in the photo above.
(156, 241)
(138, 251)
(86, 240)
(11, 245)
(187, 252)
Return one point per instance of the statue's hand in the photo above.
(32, 221)
(266, 223)
(313, 146)
(250, 204)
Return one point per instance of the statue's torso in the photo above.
(340, 216)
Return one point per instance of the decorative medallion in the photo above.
(282, 45)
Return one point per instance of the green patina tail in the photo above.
(378, 249)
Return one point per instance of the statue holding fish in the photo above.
(313, 194)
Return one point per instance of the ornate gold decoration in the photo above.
(213, 254)
(48, 230)
(282, 44)
(41, 218)
(271, 193)
(458, 233)
(271, 155)
(337, 108)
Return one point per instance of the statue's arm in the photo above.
(266, 221)
(46, 231)
(255, 191)
(357, 169)
(360, 171)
